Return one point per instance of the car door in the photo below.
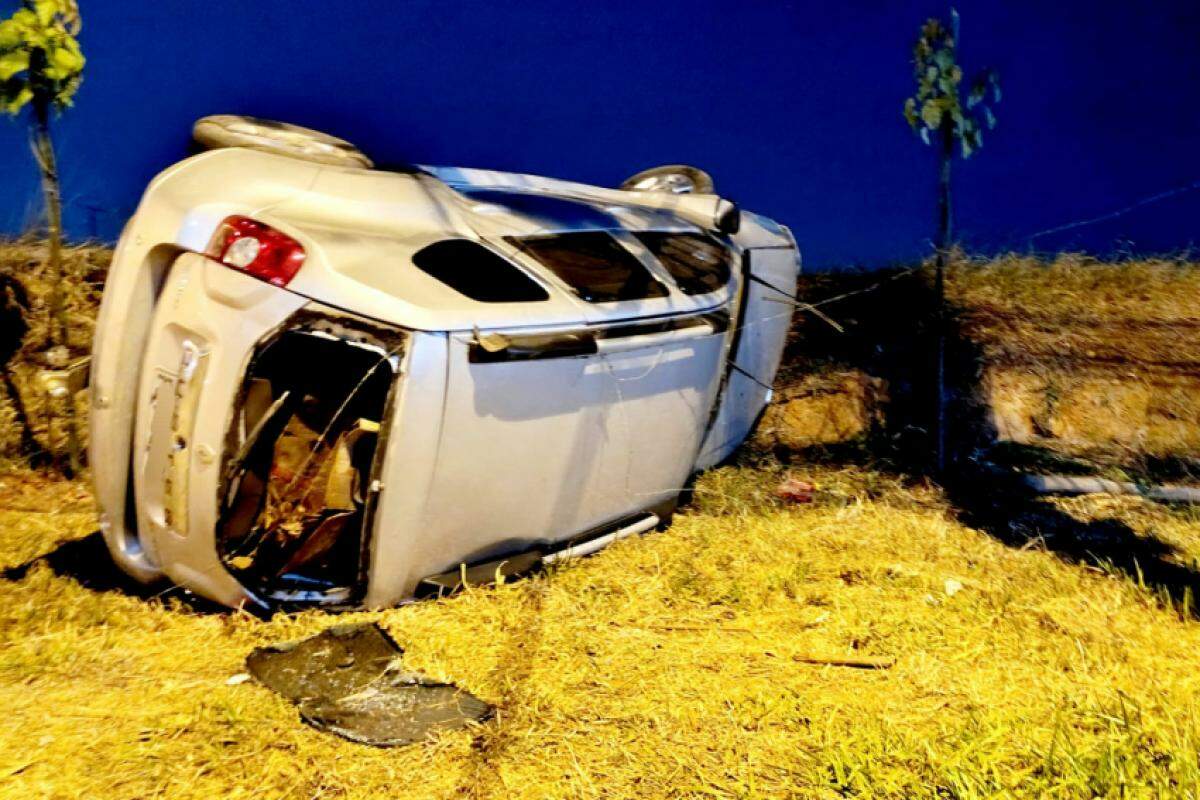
(547, 434)
(207, 323)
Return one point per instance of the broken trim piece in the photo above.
(495, 348)
(481, 574)
(580, 549)
(350, 680)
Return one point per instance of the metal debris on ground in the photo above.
(349, 680)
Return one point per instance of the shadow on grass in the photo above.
(1005, 509)
(890, 333)
(87, 562)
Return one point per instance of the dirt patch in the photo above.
(823, 408)
(1112, 409)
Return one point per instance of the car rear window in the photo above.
(473, 270)
(698, 263)
(594, 265)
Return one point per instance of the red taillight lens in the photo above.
(257, 250)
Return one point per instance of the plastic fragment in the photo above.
(349, 680)
(794, 490)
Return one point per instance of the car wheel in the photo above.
(230, 130)
(672, 178)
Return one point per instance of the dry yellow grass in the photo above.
(1083, 356)
(1074, 307)
(84, 269)
(665, 666)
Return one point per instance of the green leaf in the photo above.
(989, 117)
(46, 27)
(931, 114)
(910, 112)
(67, 60)
(10, 35)
(26, 19)
(46, 10)
(972, 140)
(13, 62)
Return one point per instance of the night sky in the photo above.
(795, 108)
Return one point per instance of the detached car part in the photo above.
(350, 680)
(317, 382)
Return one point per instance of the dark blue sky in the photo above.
(794, 107)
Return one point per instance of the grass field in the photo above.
(1037, 648)
(669, 666)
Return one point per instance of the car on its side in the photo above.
(320, 382)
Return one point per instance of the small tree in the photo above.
(41, 66)
(939, 116)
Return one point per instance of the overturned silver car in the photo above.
(316, 381)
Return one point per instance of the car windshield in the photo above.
(594, 265)
(698, 263)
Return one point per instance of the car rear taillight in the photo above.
(256, 249)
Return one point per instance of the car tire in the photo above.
(281, 138)
(672, 178)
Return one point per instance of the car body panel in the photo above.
(756, 351)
